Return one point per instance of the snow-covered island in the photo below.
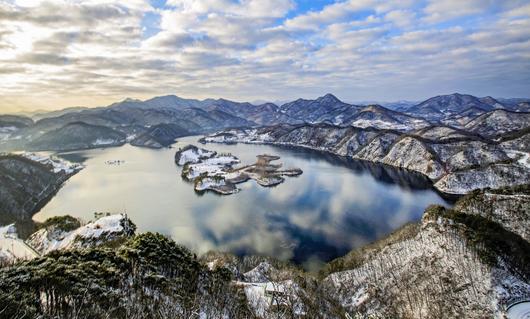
(209, 170)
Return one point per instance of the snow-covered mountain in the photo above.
(455, 160)
(379, 117)
(312, 111)
(77, 135)
(136, 119)
(455, 263)
(442, 106)
(498, 122)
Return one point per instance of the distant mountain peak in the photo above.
(130, 99)
(328, 98)
(375, 107)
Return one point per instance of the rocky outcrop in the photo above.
(63, 233)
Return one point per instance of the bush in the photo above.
(65, 223)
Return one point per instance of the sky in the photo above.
(62, 53)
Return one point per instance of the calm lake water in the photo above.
(334, 206)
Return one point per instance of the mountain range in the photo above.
(134, 119)
(459, 141)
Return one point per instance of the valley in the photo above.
(264, 159)
(257, 220)
(361, 215)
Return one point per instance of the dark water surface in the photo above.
(334, 206)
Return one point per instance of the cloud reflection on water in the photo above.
(334, 206)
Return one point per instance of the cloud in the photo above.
(401, 18)
(332, 13)
(442, 10)
(250, 49)
(248, 8)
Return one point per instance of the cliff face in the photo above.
(456, 161)
(438, 273)
(26, 184)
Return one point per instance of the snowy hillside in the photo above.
(106, 229)
(456, 161)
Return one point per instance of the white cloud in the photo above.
(248, 8)
(401, 18)
(248, 49)
(442, 10)
(329, 14)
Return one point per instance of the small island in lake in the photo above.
(212, 171)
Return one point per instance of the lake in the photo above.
(334, 206)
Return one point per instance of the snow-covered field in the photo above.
(6, 132)
(211, 166)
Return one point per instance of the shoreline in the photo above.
(452, 197)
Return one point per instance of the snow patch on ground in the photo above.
(13, 248)
(194, 155)
(8, 129)
(523, 158)
(57, 164)
(101, 141)
(103, 229)
(380, 124)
